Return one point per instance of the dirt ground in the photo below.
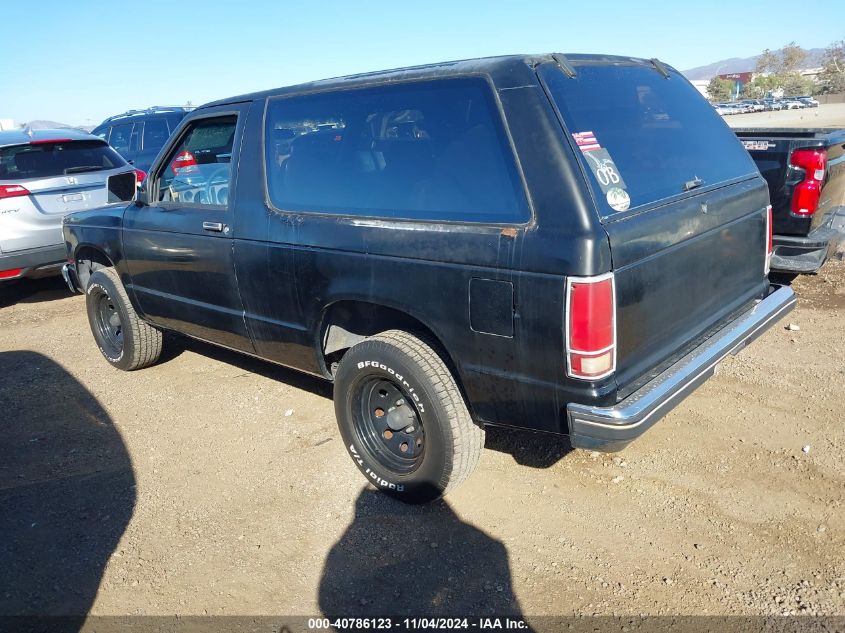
(826, 115)
(216, 484)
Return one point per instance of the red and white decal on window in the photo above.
(586, 141)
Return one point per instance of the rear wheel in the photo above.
(403, 418)
(124, 339)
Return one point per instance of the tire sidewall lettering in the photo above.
(378, 480)
(95, 286)
(400, 378)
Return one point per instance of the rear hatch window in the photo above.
(40, 159)
(643, 138)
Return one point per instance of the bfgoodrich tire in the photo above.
(125, 341)
(403, 419)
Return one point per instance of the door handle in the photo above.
(217, 227)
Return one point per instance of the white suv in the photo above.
(45, 174)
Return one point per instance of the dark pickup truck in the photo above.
(542, 242)
(805, 170)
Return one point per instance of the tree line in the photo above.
(778, 71)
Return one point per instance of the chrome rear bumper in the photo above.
(611, 428)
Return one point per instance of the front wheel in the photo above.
(125, 340)
(403, 419)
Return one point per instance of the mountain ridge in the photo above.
(744, 64)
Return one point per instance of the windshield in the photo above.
(642, 137)
(56, 158)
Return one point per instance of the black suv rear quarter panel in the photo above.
(425, 269)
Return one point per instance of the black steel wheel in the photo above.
(109, 327)
(403, 418)
(124, 339)
(390, 426)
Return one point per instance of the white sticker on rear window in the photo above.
(604, 169)
(600, 162)
(618, 199)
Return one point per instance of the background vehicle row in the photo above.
(760, 105)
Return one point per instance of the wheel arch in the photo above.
(348, 321)
(90, 259)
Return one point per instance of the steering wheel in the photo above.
(209, 194)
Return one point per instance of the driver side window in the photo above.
(198, 171)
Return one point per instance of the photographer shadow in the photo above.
(67, 492)
(400, 561)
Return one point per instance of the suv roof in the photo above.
(142, 113)
(19, 137)
(481, 65)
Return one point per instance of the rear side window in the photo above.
(135, 137)
(642, 137)
(155, 133)
(198, 171)
(120, 137)
(102, 132)
(423, 150)
(56, 158)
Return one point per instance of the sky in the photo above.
(79, 62)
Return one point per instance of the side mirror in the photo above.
(142, 195)
(122, 187)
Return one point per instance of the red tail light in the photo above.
(140, 175)
(12, 191)
(12, 272)
(769, 239)
(590, 327)
(48, 141)
(805, 197)
(185, 162)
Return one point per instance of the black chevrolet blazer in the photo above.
(567, 244)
